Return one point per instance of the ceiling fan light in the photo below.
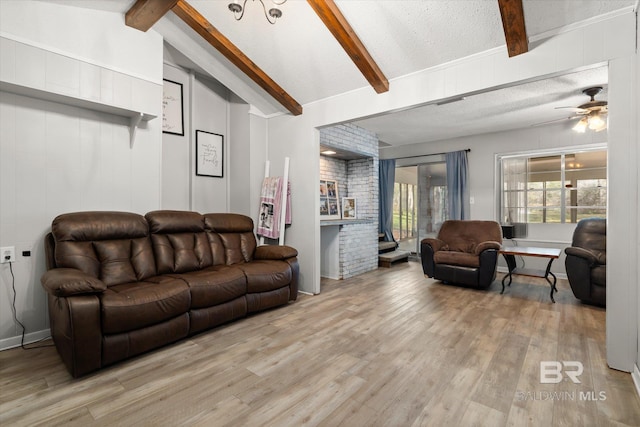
(596, 123)
(581, 126)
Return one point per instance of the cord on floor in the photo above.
(15, 316)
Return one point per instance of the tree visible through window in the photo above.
(563, 187)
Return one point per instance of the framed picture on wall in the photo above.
(348, 208)
(329, 200)
(172, 112)
(209, 154)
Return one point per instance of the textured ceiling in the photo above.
(515, 107)
(403, 36)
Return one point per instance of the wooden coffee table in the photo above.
(510, 256)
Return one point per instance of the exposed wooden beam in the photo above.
(335, 21)
(199, 24)
(513, 24)
(144, 13)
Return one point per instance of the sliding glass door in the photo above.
(419, 203)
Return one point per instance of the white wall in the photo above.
(206, 108)
(622, 215)
(176, 150)
(57, 158)
(239, 142)
(482, 176)
(635, 112)
(565, 51)
(210, 113)
(248, 151)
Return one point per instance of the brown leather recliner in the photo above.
(465, 252)
(586, 261)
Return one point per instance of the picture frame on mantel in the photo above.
(209, 154)
(329, 200)
(172, 108)
(349, 208)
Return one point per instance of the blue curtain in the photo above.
(457, 187)
(387, 177)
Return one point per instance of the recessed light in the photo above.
(328, 152)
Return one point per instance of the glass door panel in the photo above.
(419, 203)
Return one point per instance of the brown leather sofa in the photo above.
(465, 252)
(120, 284)
(586, 261)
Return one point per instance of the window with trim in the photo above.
(553, 187)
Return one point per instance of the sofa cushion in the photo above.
(119, 259)
(131, 306)
(181, 252)
(111, 246)
(215, 285)
(456, 258)
(266, 275)
(179, 241)
(231, 238)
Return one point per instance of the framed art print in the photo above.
(209, 154)
(172, 112)
(348, 208)
(329, 200)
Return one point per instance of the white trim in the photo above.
(76, 57)
(583, 24)
(569, 149)
(635, 375)
(13, 342)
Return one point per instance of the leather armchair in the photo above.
(586, 261)
(465, 252)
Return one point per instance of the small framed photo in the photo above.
(172, 112)
(329, 199)
(348, 208)
(209, 154)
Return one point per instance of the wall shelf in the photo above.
(135, 117)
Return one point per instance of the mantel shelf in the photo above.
(135, 117)
(330, 222)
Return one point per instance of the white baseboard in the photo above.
(636, 378)
(7, 343)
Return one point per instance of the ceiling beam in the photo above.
(199, 24)
(513, 24)
(335, 22)
(144, 13)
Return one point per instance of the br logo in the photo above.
(551, 372)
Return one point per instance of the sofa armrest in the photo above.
(273, 252)
(585, 254)
(436, 244)
(483, 246)
(65, 282)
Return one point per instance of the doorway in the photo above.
(419, 203)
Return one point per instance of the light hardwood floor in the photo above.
(387, 348)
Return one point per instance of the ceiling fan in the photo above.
(591, 114)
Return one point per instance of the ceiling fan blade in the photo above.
(556, 120)
(576, 109)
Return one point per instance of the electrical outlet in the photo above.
(8, 254)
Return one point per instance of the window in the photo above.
(554, 187)
(404, 211)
